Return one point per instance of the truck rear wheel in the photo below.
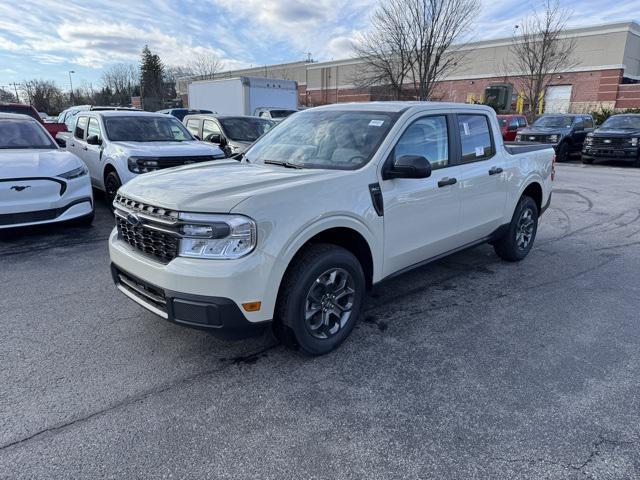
(320, 299)
(518, 241)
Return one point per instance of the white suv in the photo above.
(119, 145)
(331, 201)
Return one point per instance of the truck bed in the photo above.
(515, 148)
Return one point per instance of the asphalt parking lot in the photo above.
(467, 368)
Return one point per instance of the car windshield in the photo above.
(554, 121)
(23, 134)
(140, 128)
(336, 140)
(245, 129)
(623, 121)
(281, 113)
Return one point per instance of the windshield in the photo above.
(145, 129)
(336, 140)
(553, 121)
(245, 129)
(22, 134)
(623, 121)
(281, 113)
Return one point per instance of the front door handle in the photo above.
(84, 147)
(495, 171)
(447, 181)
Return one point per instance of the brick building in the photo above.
(606, 73)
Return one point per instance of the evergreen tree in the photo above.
(151, 80)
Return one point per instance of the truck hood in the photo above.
(218, 186)
(167, 149)
(615, 132)
(21, 163)
(544, 131)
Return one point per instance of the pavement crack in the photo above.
(133, 399)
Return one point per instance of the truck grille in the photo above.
(149, 229)
(611, 141)
(168, 162)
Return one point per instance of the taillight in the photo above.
(553, 168)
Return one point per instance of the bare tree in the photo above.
(414, 42)
(44, 95)
(205, 65)
(539, 51)
(386, 49)
(7, 96)
(438, 30)
(121, 81)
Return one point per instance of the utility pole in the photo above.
(71, 85)
(15, 86)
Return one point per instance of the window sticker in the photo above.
(465, 126)
(376, 123)
(479, 151)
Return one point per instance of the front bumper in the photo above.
(200, 293)
(611, 154)
(218, 315)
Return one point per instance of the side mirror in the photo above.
(94, 140)
(409, 166)
(215, 138)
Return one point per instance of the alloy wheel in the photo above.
(329, 303)
(525, 228)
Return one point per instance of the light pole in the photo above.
(71, 85)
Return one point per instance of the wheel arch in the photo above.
(533, 190)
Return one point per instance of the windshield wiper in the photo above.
(283, 164)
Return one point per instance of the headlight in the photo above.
(589, 139)
(518, 138)
(634, 141)
(142, 164)
(216, 236)
(553, 138)
(75, 173)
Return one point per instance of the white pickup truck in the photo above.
(333, 200)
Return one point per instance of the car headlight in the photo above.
(142, 164)
(75, 173)
(589, 139)
(224, 237)
(518, 138)
(553, 138)
(634, 141)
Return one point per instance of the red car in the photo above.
(52, 128)
(510, 124)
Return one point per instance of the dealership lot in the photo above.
(467, 368)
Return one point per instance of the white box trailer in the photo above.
(243, 95)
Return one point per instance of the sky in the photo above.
(48, 38)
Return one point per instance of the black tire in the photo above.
(562, 154)
(510, 247)
(303, 282)
(112, 183)
(587, 161)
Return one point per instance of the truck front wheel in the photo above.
(517, 242)
(320, 299)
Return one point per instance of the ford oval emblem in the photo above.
(133, 220)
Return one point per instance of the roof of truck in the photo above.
(126, 113)
(401, 106)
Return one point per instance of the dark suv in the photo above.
(618, 138)
(566, 132)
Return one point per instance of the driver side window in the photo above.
(427, 137)
(210, 128)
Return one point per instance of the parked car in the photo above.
(19, 108)
(343, 197)
(566, 132)
(180, 113)
(69, 117)
(510, 124)
(119, 145)
(275, 114)
(39, 182)
(233, 134)
(618, 138)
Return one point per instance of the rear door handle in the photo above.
(495, 171)
(447, 181)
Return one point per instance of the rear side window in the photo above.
(475, 137)
(193, 126)
(588, 122)
(522, 122)
(210, 128)
(428, 138)
(81, 126)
